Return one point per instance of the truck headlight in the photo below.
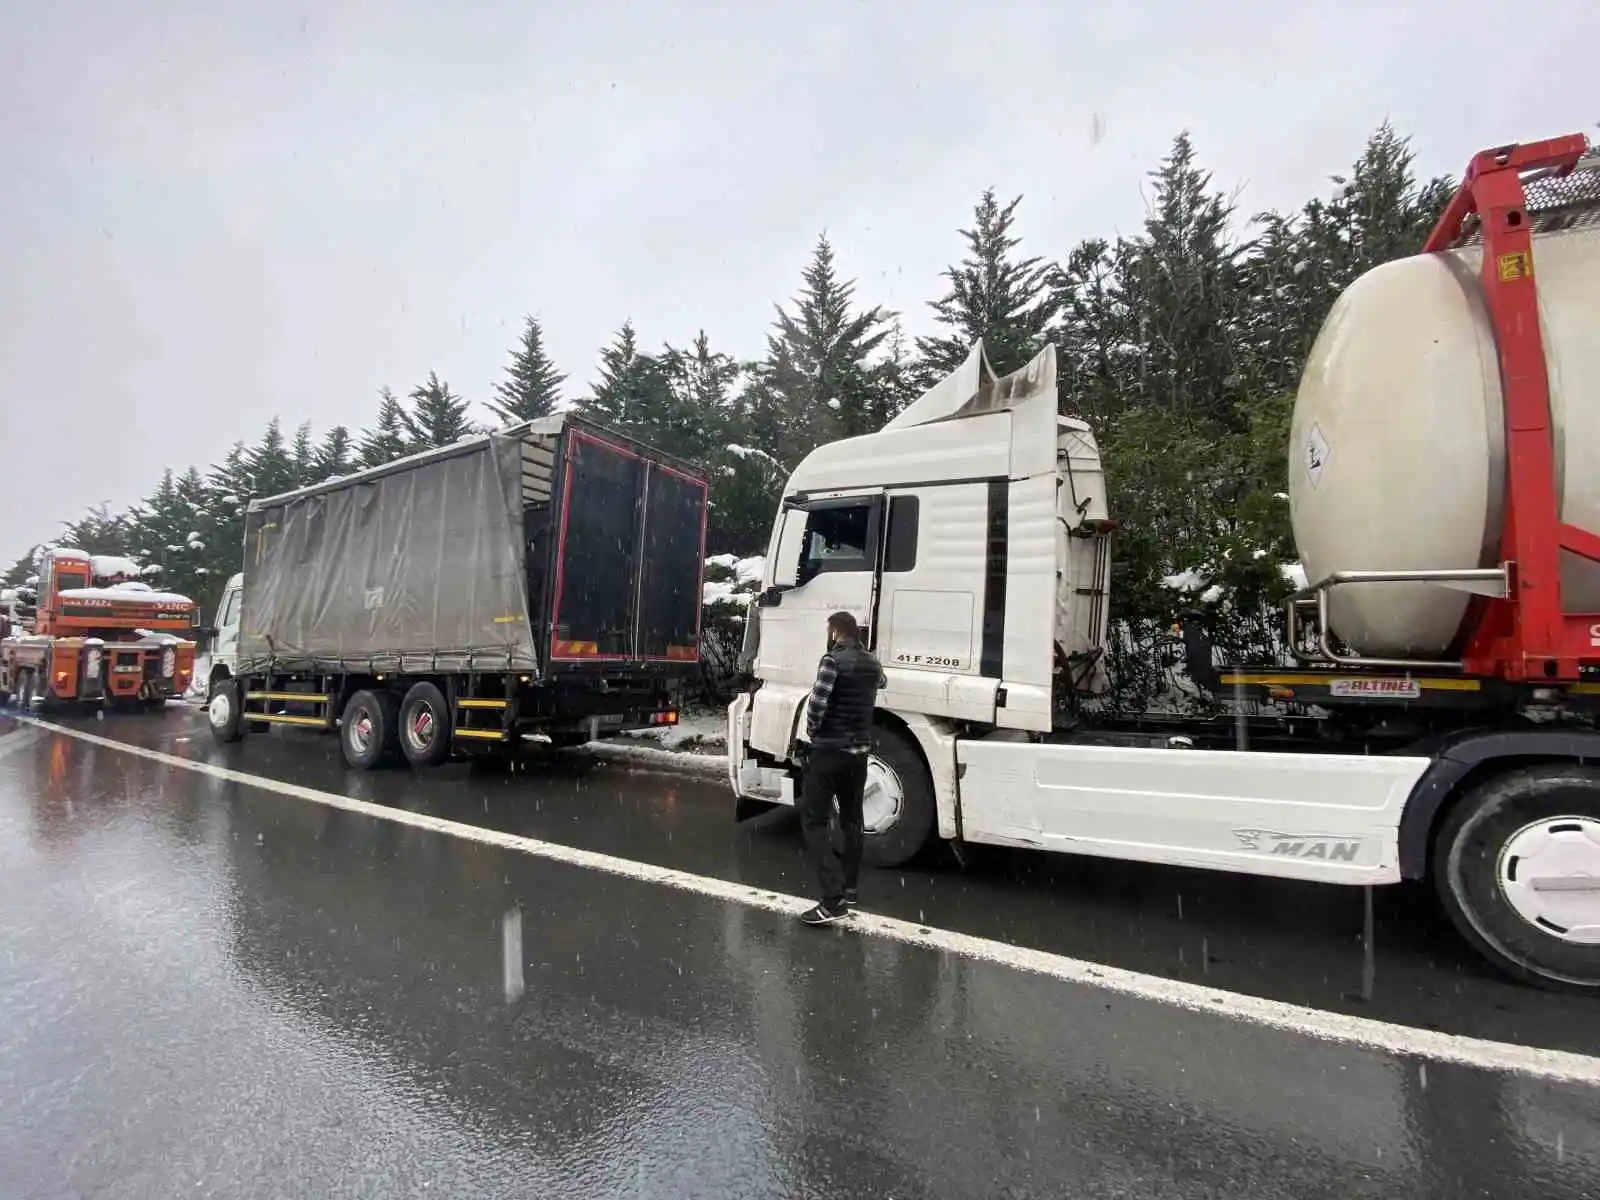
(169, 662)
(91, 664)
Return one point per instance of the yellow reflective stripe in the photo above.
(1433, 685)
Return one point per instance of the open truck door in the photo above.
(826, 558)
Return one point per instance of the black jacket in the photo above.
(839, 713)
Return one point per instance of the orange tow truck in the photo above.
(101, 635)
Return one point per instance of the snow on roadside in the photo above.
(702, 729)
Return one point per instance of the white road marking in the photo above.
(1296, 1019)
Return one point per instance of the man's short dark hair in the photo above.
(843, 626)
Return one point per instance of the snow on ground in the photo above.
(697, 729)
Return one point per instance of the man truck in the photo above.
(1437, 717)
(537, 584)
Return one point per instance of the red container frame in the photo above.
(1528, 635)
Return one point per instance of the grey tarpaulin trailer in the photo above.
(540, 581)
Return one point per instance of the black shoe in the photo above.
(852, 900)
(821, 914)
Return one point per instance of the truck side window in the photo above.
(837, 540)
(901, 552)
(230, 611)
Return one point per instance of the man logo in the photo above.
(1296, 845)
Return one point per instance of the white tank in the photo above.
(1397, 447)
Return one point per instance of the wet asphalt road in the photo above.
(211, 989)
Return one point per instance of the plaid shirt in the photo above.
(822, 693)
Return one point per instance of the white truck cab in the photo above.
(970, 538)
(225, 633)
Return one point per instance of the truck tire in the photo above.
(225, 711)
(898, 808)
(368, 730)
(1498, 844)
(425, 726)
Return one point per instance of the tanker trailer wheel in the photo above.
(225, 711)
(425, 726)
(1517, 865)
(897, 808)
(368, 731)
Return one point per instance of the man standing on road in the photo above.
(839, 725)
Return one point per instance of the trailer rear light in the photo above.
(683, 653)
(664, 718)
(61, 676)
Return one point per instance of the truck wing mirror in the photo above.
(771, 597)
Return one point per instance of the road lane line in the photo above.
(1363, 1032)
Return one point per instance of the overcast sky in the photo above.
(217, 212)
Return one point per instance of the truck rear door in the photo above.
(628, 558)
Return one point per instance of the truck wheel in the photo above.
(425, 726)
(225, 711)
(367, 733)
(898, 807)
(1517, 865)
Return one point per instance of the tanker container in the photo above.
(1397, 444)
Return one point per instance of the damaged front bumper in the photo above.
(758, 785)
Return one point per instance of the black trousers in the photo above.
(834, 775)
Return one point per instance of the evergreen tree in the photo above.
(896, 382)
(438, 416)
(390, 436)
(532, 387)
(21, 570)
(1093, 335)
(994, 295)
(701, 382)
(271, 465)
(99, 531)
(303, 456)
(333, 456)
(635, 395)
(817, 382)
